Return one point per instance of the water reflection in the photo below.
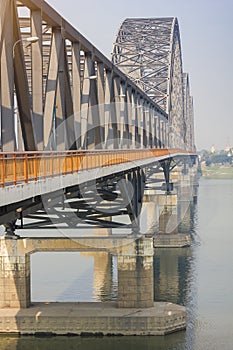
(199, 277)
(172, 269)
(170, 342)
(73, 277)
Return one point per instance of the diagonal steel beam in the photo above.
(21, 88)
(3, 16)
(7, 80)
(37, 78)
(51, 87)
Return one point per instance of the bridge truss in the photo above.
(148, 51)
(67, 111)
(62, 93)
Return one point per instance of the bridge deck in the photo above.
(23, 167)
(28, 174)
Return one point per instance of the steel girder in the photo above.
(148, 50)
(188, 114)
(58, 106)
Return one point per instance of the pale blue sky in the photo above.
(206, 28)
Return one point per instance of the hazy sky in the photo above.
(206, 28)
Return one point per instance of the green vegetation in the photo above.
(217, 164)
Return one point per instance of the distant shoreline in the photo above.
(217, 172)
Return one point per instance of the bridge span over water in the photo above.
(88, 142)
(71, 117)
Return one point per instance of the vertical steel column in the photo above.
(141, 181)
(140, 122)
(159, 132)
(129, 107)
(129, 191)
(150, 141)
(94, 130)
(100, 94)
(134, 120)
(147, 126)
(165, 165)
(166, 134)
(116, 113)
(123, 122)
(143, 125)
(108, 107)
(156, 141)
(76, 89)
(153, 138)
(85, 99)
(69, 109)
(162, 132)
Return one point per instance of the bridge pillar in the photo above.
(168, 220)
(149, 217)
(135, 275)
(161, 217)
(14, 275)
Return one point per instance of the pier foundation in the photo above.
(14, 277)
(135, 276)
(135, 313)
(161, 220)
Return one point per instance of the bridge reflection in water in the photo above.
(95, 143)
(174, 281)
(92, 276)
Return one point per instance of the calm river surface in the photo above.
(200, 277)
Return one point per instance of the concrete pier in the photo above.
(93, 318)
(161, 220)
(135, 277)
(178, 240)
(135, 313)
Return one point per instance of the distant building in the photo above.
(212, 149)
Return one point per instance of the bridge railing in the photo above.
(23, 167)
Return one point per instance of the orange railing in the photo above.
(22, 167)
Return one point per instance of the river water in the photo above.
(199, 277)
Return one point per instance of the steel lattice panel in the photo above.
(148, 50)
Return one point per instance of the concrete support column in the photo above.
(185, 216)
(14, 276)
(168, 221)
(169, 224)
(167, 211)
(135, 275)
(149, 217)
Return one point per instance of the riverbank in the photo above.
(217, 172)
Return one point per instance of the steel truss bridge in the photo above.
(82, 131)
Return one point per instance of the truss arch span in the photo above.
(148, 50)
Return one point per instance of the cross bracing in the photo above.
(62, 93)
(148, 50)
(68, 115)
